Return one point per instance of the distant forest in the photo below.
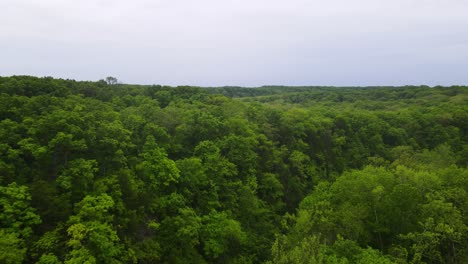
(103, 172)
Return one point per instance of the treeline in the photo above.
(97, 173)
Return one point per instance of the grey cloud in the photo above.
(256, 42)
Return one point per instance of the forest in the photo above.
(104, 172)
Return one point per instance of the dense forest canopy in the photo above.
(104, 172)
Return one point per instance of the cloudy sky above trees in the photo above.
(238, 42)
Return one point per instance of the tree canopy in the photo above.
(105, 172)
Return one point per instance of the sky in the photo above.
(238, 42)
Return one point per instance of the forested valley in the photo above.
(103, 172)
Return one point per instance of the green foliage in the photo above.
(103, 172)
(17, 215)
(17, 218)
(381, 207)
(157, 170)
(49, 259)
(12, 248)
(91, 235)
(221, 235)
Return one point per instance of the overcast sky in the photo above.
(238, 42)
